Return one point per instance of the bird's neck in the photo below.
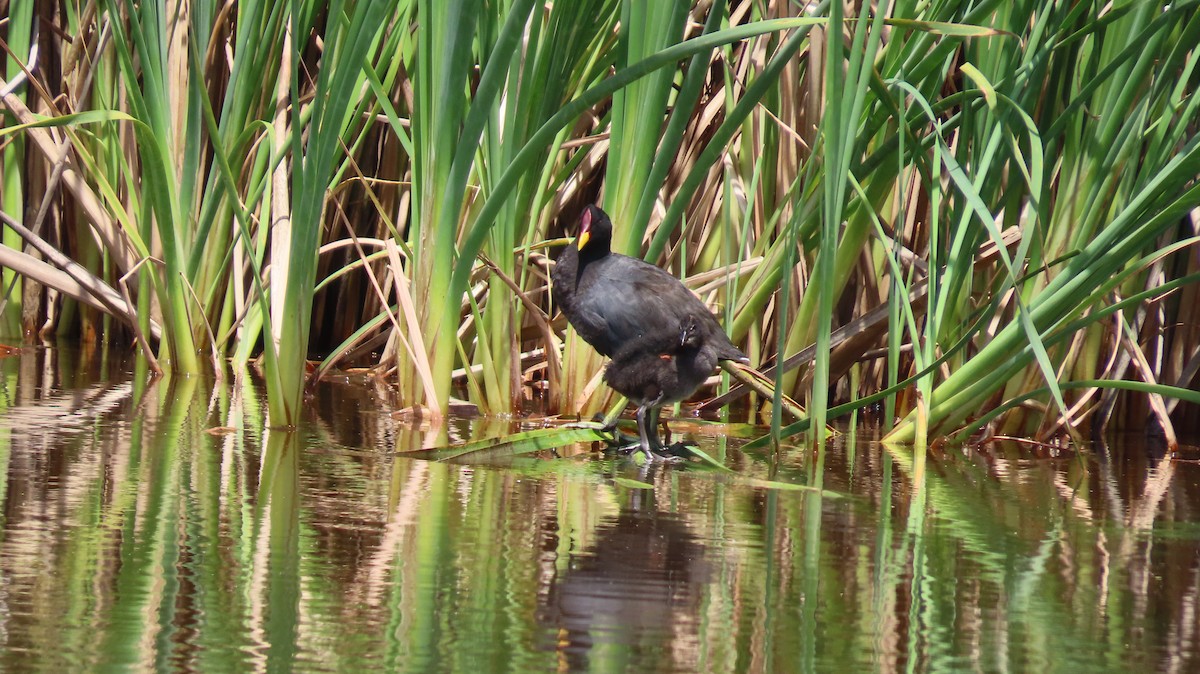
(587, 257)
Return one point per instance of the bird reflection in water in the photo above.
(636, 586)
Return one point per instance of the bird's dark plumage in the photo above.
(663, 341)
(662, 368)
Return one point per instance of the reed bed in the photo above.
(958, 215)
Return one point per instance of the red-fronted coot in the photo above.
(663, 341)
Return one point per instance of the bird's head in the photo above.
(595, 229)
(689, 332)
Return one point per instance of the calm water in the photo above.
(153, 527)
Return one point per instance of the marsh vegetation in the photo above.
(330, 224)
(955, 215)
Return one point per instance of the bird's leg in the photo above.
(646, 430)
(655, 443)
(673, 451)
(660, 451)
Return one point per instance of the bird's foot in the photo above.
(660, 454)
(674, 452)
(607, 425)
(633, 448)
(619, 440)
(622, 442)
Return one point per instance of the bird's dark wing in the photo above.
(638, 299)
(607, 323)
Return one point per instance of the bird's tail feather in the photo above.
(731, 352)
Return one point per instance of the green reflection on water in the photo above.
(151, 526)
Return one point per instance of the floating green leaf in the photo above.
(511, 445)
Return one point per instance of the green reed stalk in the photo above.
(19, 30)
(351, 35)
(646, 28)
(636, 127)
(446, 31)
(164, 211)
(1121, 177)
(560, 55)
(476, 234)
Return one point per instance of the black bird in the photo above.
(662, 340)
(657, 370)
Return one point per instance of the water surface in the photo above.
(158, 526)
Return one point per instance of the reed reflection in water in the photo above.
(158, 526)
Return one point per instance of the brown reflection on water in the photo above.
(159, 526)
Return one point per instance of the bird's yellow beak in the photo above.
(582, 239)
